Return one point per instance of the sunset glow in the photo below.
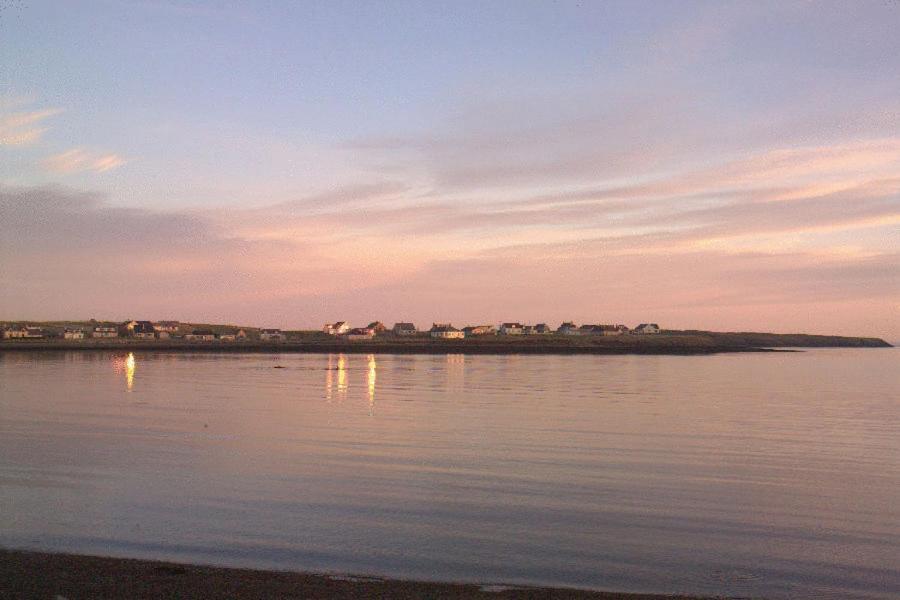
(603, 162)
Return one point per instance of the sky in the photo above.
(725, 166)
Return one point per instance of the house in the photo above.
(201, 335)
(568, 328)
(105, 332)
(227, 337)
(241, 334)
(142, 330)
(446, 331)
(339, 328)
(404, 329)
(167, 326)
(163, 335)
(73, 334)
(377, 327)
(476, 330)
(542, 329)
(271, 335)
(528, 330)
(646, 328)
(24, 332)
(366, 333)
(512, 329)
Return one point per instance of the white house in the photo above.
(166, 326)
(646, 328)
(105, 332)
(271, 335)
(227, 337)
(23, 332)
(446, 331)
(339, 328)
(512, 329)
(201, 335)
(73, 334)
(404, 329)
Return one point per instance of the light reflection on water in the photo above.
(752, 475)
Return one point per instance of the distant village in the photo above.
(174, 330)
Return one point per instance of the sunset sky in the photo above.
(727, 166)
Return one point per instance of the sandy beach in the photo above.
(25, 574)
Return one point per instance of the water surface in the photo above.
(773, 475)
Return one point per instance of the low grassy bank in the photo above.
(682, 342)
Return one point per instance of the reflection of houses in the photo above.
(512, 329)
(646, 328)
(476, 330)
(271, 335)
(377, 327)
(73, 334)
(366, 333)
(23, 333)
(568, 328)
(339, 328)
(404, 329)
(446, 331)
(143, 330)
(201, 335)
(105, 332)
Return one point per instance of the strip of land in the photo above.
(25, 574)
(670, 342)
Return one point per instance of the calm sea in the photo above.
(774, 475)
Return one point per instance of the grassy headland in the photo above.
(668, 342)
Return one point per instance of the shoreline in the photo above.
(428, 347)
(33, 574)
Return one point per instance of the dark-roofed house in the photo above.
(568, 328)
(542, 329)
(361, 333)
(446, 331)
(143, 330)
(404, 329)
(377, 327)
(512, 329)
(646, 328)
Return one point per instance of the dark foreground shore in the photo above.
(685, 343)
(26, 574)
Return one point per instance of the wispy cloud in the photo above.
(78, 160)
(23, 127)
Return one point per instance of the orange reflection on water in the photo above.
(129, 371)
(328, 377)
(370, 380)
(341, 374)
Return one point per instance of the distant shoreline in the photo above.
(27, 574)
(675, 343)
